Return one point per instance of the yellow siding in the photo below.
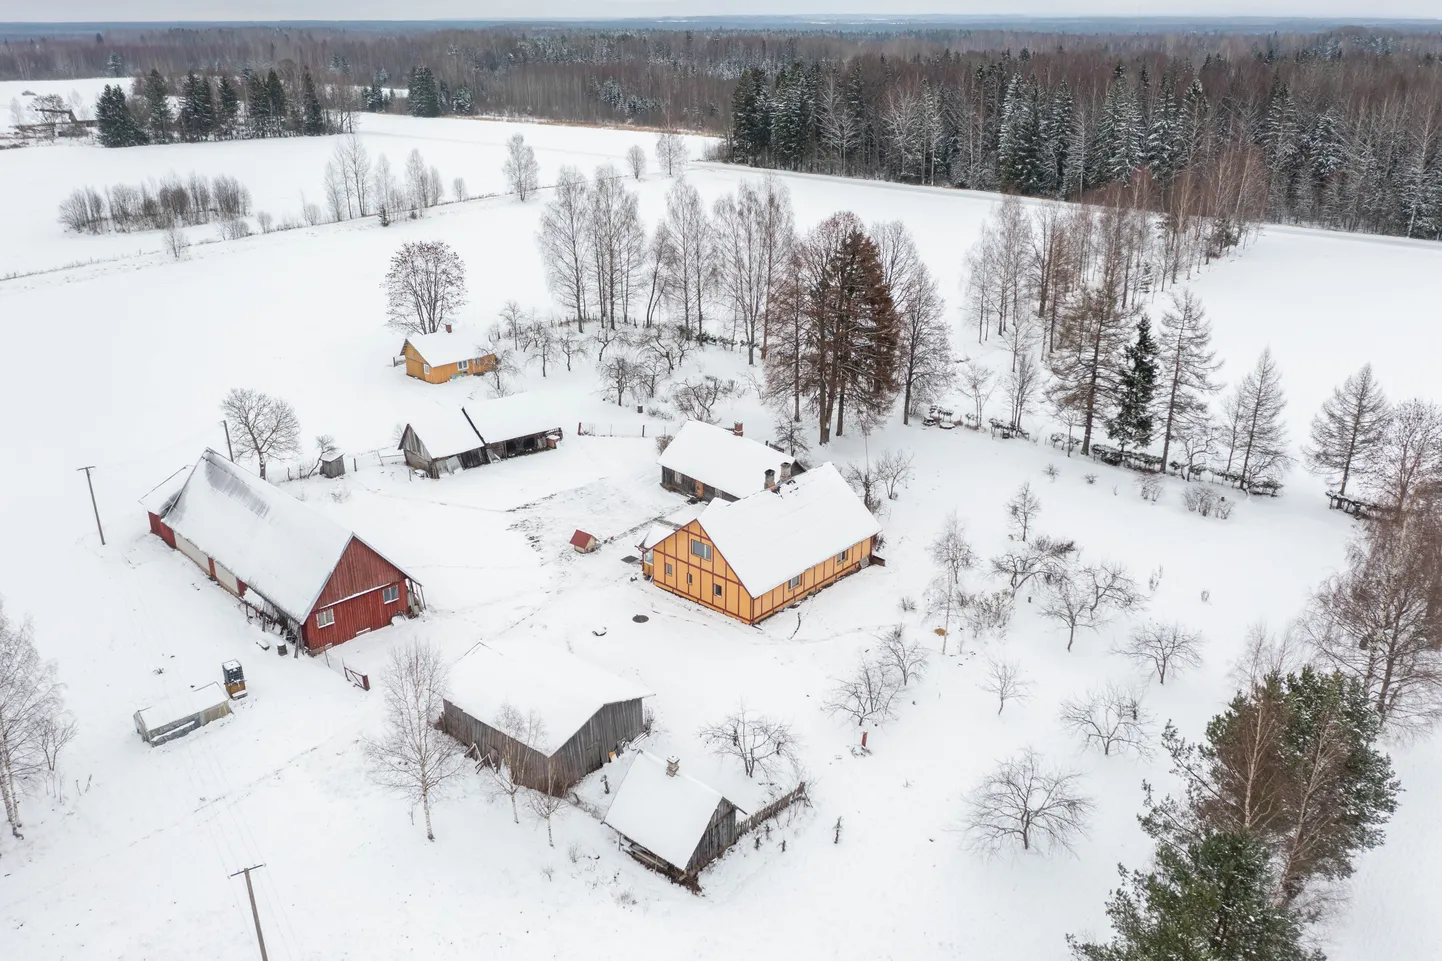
(416, 367)
(679, 571)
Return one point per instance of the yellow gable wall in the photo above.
(674, 563)
(416, 367)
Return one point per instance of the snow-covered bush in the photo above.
(1206, 501)
(1150, 487)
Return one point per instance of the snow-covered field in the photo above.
(121, 364)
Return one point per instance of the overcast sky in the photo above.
(134, 10)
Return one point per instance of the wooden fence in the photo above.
(643, 429)
(769, 811)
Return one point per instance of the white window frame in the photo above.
(391, 594)
(425, 368)
(650, 557)
(717, 591)
(325, 618)
(841, 558)
(701, 549)
(463, 365)
(794, 583)
(669, 570)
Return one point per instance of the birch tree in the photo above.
(562, 238)
(522, 172)
(924, 369)
(31, 712)
(693, 246)
(412, 755)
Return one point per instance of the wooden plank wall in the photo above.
(812, 579)
(719, 835)
(681, 572)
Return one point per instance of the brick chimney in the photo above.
(739, 429)
(785, 471)
(673, 766)
(770, 479)
(448, 328)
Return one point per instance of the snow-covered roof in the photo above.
(715, 456)
(277, 545)
(771, 536)
(657, 534)
(562, 690)
(158, 498)
(507, 418)
(442, 348)
(183, 704)
(444, 431)
(666, 815)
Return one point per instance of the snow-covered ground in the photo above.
(121, 364)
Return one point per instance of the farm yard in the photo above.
(119, 354)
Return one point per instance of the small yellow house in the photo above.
(752, 557)
(442, 356)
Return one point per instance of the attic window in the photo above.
(701, 549)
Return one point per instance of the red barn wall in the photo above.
(162, 530)
(354, 595)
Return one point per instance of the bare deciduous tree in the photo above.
(1021, 511)
(33, 723)
(522, 172)
(924, 367)
(977, 382)
(761, 743)
(1026, 801)
(1044, 557)
(545, 803)
(636, 161)
(1163, 648)
(988, 614)
(1348, 430)
(866, 695)
(1408, 461)
(262, 426)
(1257, 436)
(907, 659)
(563, 240)
(425, 285)
(1089, 597)
(670, 153)
(1186, 364)
(1111, 718)
(696, 397)
(894, 469)
(512, 762)
(953, 555)
(412, 755)
(1004, 680)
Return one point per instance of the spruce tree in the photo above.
(1349, 429)
(257, 105)
(274, 102)
(1136, 391)
(423, 96)
(114, 65)
(116, 125)
(228, 111)
(197, 109)
(159, 119)
(312, 122)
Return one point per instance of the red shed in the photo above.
(294, 566)
(583, 542)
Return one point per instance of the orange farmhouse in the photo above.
(752, 557)
(442, 356)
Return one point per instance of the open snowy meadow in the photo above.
(117, 356)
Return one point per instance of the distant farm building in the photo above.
(709, 462)
(292, 566)
(752, 557)
(447, 440)
(583, 543)
(442, 356)
(673, 822)
(552, 718)
(179, 714)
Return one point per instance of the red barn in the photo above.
(295, 567)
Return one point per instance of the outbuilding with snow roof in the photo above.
(291, 565)
(550, 716)
(444, 355)
(674, 823)
(752, 557)
(447, 439)
(710, 462)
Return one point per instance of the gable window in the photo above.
(324, 618)
(701, 549)
(716, 589)
(464, 365)
(391, 593)
(794, 583)
(841, 558)
(425, 368)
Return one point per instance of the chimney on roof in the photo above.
(673, 766)
(770, 479)
(448, 328)
(785, 471)
(739, 429)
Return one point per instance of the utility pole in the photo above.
(230, 452)
(92, 501)
(260, 938)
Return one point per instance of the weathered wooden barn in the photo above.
(551, 717)
(445, 440)
(673, 822)
(751, 557)
(179, 714)
(294, 567)
(710, 462)
(444, 355)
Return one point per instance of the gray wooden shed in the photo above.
(674, 823)
(179, 714)
(550, 716)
